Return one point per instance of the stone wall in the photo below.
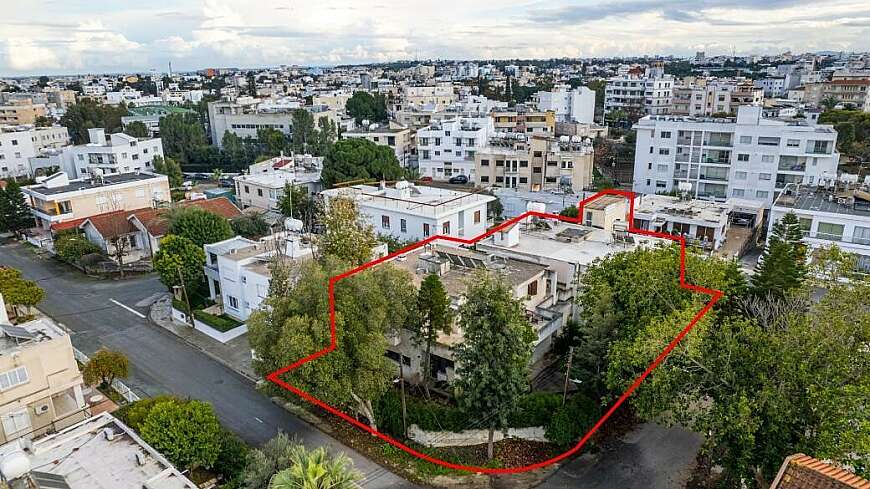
(471, 437)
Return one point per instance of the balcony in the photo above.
(52, 215)
(723, 141)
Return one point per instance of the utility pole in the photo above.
(402, 389)
(567, 374)
(186, 298)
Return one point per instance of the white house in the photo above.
(411, 212)
(19, 144)
(577, 105)
(263, 186)
(829, 214)
(115, 153)
(747, 157)
(447, 148)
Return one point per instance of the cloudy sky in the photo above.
(95, 36)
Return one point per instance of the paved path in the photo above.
(160, 362)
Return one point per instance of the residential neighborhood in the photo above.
(485, 246)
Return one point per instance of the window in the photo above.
(524, 164)
(426, 231)
(537, 154)
(476, 217)
(764, 176)
(740, 175)
(233, 302)
(761, 194)
(768, 141)
(403, 225)
(532, 289)
(663, 168)
(767, 158)
(13, 378)
(661, 184)
(833, 232)
(665, 135)
(484, 162)
(484, 179)
(499, 162)
(742, 156)
(793, 143)
(664, 151)
(445, 227)
(861, 235)
(524, 180)
(247, 190)
(385, 222)
(15, 422)
(14, 142)
(737, 192)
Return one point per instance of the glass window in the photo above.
(737, 192)
(830, 231)
(745, 139)
(742, 157)
(764, 176)
(861, 235)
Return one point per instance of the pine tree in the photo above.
(14, 212)
(782, 267)
(435, 317)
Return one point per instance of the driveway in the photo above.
(104, 313)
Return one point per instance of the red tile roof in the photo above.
(803, 472)
(112, 224)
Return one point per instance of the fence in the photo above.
(120, 387)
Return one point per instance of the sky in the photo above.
(99, 36)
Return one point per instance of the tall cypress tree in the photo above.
(14, 212)
(782, 267)
(435, 316)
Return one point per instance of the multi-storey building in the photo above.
(439, 96)
(263, 186)
(57, 199)
(577, 105)
(830, 213)
(40, 382)
(18, 144)
(115, 153)
(715, 97)
(447, 148)
(19, 112)
(747, 157)
(246, 115)
(411, 212)
(521, 120)
(535, 163)
(397, 137)
(639, 94)
(851, 91)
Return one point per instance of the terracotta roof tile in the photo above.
(112, 224)
(803, 472)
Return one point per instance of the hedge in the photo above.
(73, 246)
(222, 323)
(571, 421)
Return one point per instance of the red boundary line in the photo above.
(715, 295)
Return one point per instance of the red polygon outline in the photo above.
(715, 295)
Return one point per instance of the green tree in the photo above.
(137, 129)
(263, 463)
(324, 137)
(72, 246)
(315, 469)
(832, 263)
(187, 433)
(829, 102)
(782, 266)
(217, 174)
(303, 131)
(177, 258)
(297, 203)
(273, 141)
(493, 359)
(368, 306)
(355, 159)
(570, 211)
(182, 135)
(435, 317)
(365, 106)
(250, 225)
(18, 291)
(15, 214)
(171, 169)
(88, 114)
(104, 367)
(199, 226)
(43, 121)
(347, 237)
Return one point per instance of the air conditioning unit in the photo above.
(42, 408)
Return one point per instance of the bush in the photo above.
(535, 409)
(251, 226)
(571, 421)
(232, 457)
(72, 246)
(134, 414)
(187, 433)
(222, 323)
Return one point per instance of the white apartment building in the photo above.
(577, 105)
(745, 157)
(447, 148)
(392, 135)
(237, 270)
(639, 94)
(438, 96)
(830, 214)
(263, 186)
(708, 97)
(115, 153)
(411, 212)
(18, 144)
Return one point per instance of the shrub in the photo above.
(73, 246)
(251, 226)
(535, 409)
(222, 323)
(571, 421)
(134, 414)
(187, 433)
(232, 457)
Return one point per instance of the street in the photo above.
(162, 364)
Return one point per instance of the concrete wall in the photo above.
(471, 437)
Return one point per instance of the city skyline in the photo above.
(103, 37)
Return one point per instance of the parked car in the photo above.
(424, 179)
(459, 179)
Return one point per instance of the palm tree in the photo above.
(316, 470)
(217, 174)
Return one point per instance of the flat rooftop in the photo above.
(279, 178)
(689, 209)
(107, 180)
(846, 201)
(14, 338)
(410, 198)
(83, 457)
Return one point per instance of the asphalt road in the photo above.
(160, 362)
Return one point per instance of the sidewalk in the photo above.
(235, 354)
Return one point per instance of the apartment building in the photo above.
(263, 186)
(830, 213)
(246, 115)
(18, 112)
(411, 212)
(395, 136)
(18, 144)
(438, 96)
(107, 155)
(57, 199)
(535, 163)
(851, 91)
(747, 156)
(708, 97)
(448, 147)
(577, 105)
(524, 121)
(40, 382)
(238, 269)
(639, 94)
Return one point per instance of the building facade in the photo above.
(535, 163)
(392, 135)
(448, 148)
(577, 105)
(107, 155)
(18, 144)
